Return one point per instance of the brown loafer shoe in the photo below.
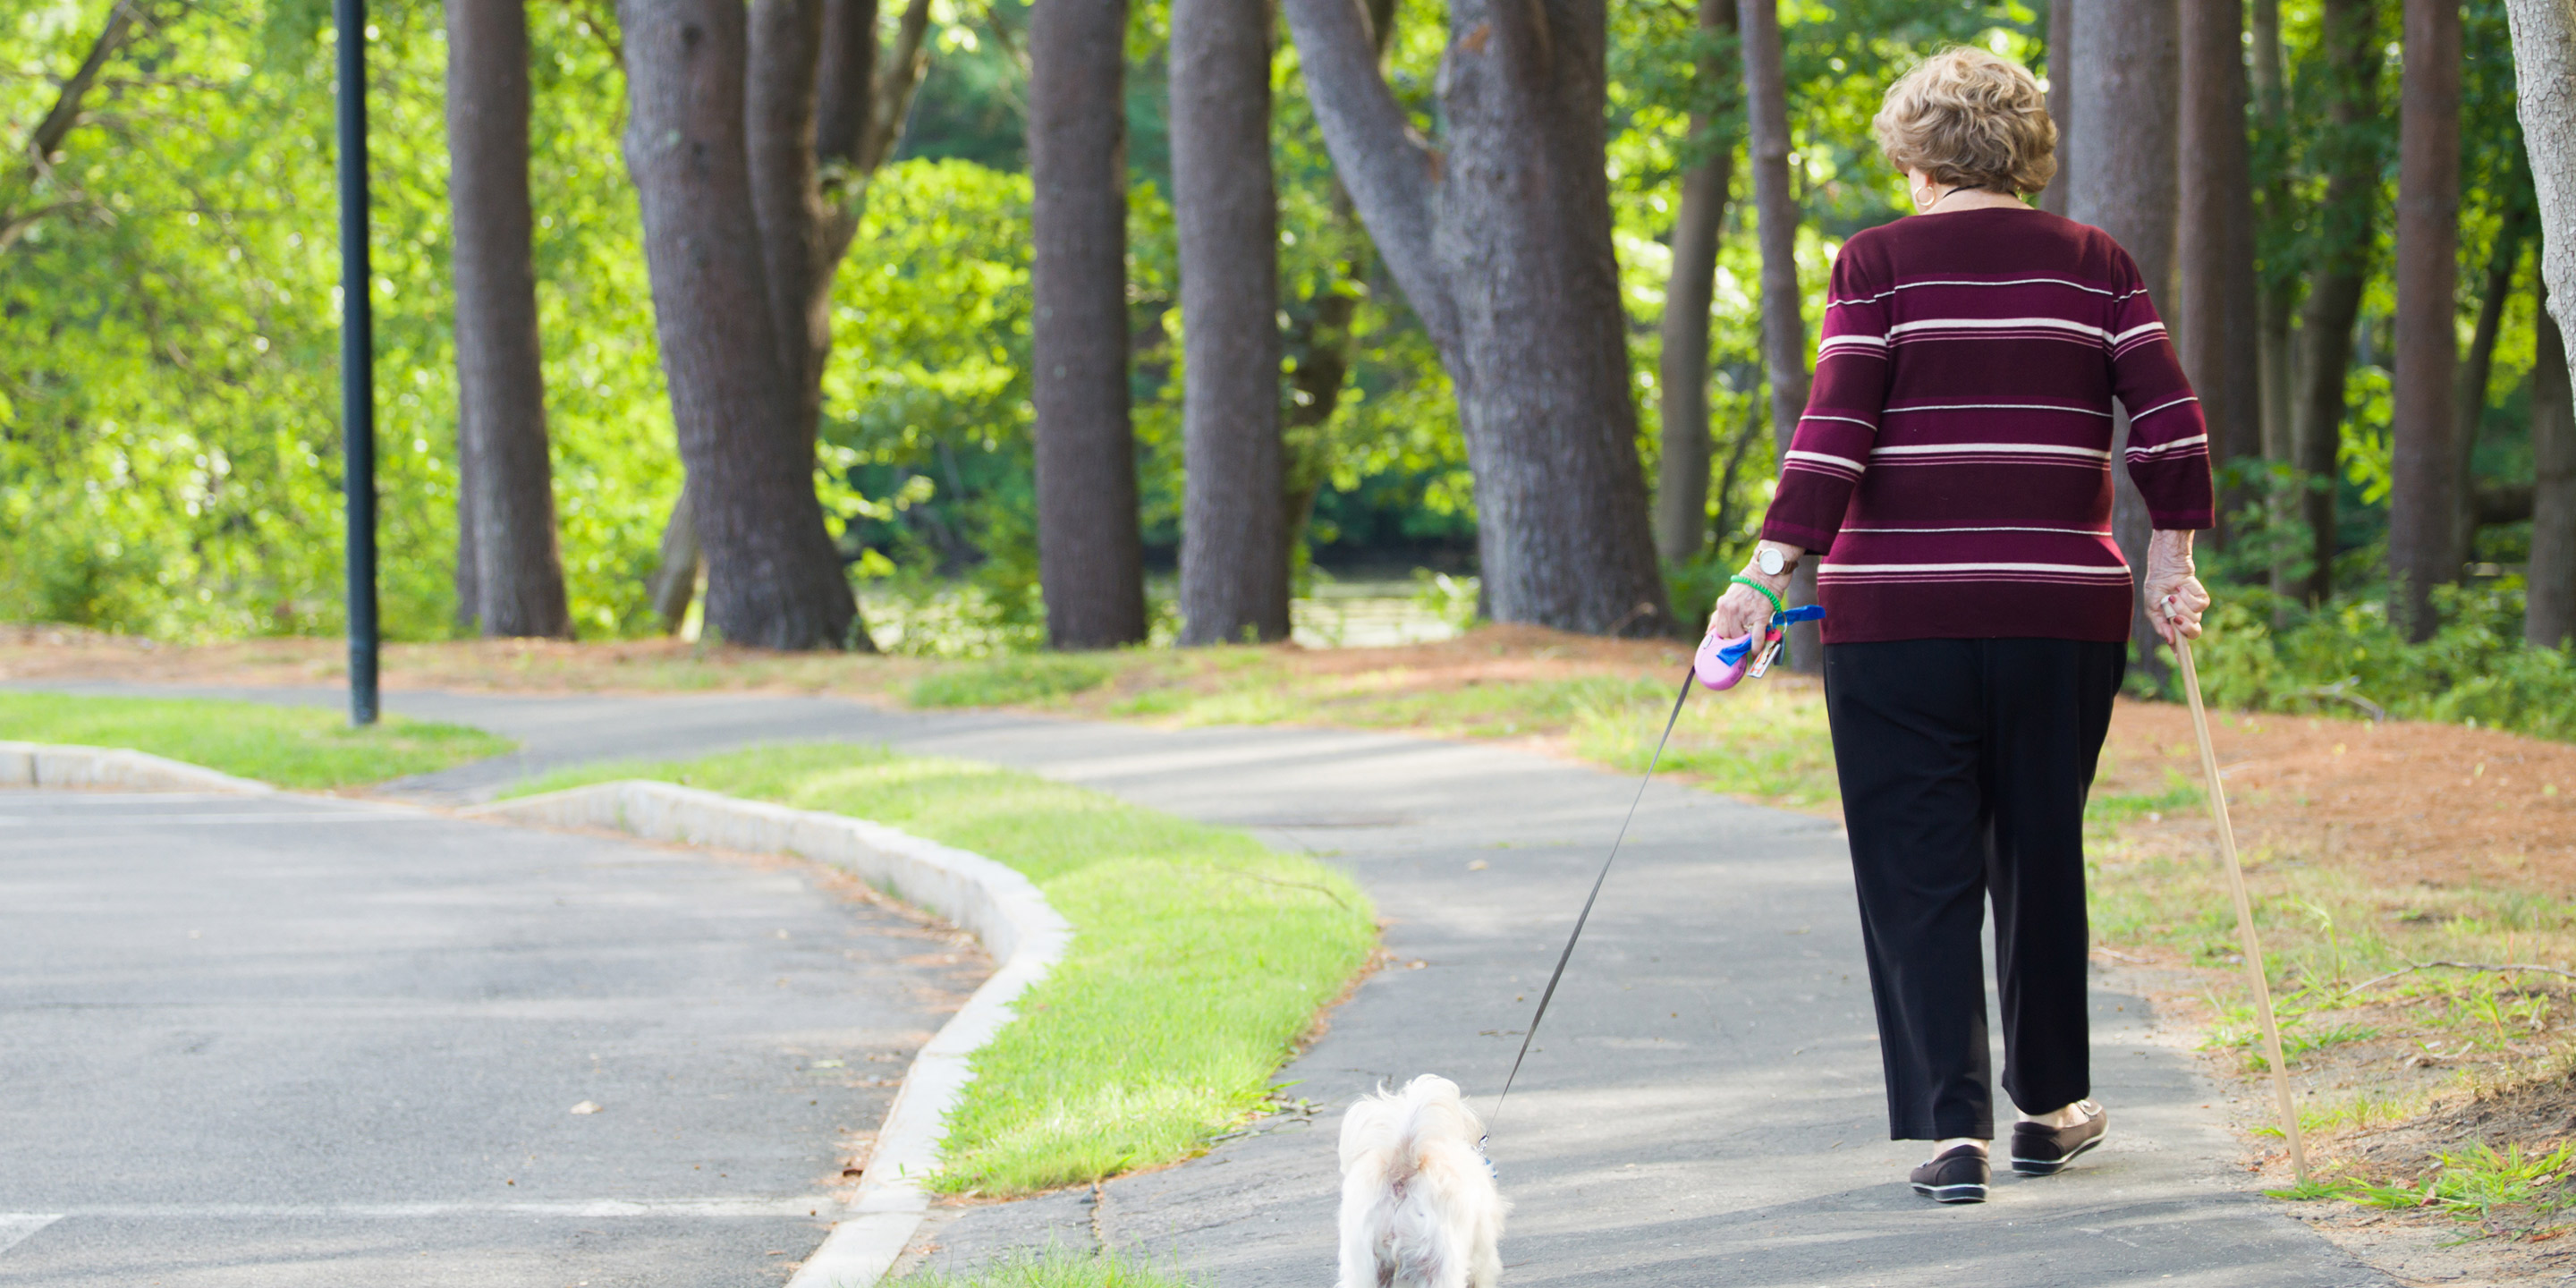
(2042, 1150)
(1956, 1177)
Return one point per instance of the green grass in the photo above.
(288, 746)
(1200, 957)
(2510, 1192)
(1059, 1268)
(1008, 680)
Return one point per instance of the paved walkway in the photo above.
(291, 1041)
(1704, 1106)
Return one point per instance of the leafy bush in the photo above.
(2347, 658)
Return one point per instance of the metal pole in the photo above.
(357, 361)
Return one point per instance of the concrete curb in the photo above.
(998, 905)
(35, 764)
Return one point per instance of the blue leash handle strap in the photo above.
(1804, 613)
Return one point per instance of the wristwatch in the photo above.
(1770, 561)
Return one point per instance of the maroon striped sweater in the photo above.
(1954, 462)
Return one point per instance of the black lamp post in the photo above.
(357, 361)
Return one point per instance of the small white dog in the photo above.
(1419, 1206)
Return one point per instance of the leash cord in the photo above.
(1562, 958)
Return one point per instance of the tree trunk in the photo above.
(2274, 294)
(774, 579)
(2218, 319)
(2477, 370)
(2544, 65)
(810, 186)
(1784, 325)
(2423, 501)
(675, 579)
(2549, 614)
(21, 205)
(2345, 222)
(1502, 246)
(2128, 62)
(505, 482)
(1089, 551)
(1681, 491)
(1234, 540)
(2061, 98)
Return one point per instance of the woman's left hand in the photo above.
(2175, 597)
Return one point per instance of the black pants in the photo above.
(1964, 766)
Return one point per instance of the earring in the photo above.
(1919, 204)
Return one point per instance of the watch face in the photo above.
(1771, 563)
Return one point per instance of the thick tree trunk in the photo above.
(505, 481)
(785, 44)
(2061, 98)
(774, 579)
(2275, 294)
(2345, 222)
(2218, 320)
(1503, 248)
(1089, 551)
(1681, 490)
(816, 133)
(2128, 62)
(2544, 64)
(1234, 540)
(1784, 324)
(2549, 614)
(2477, 370)
(2423, 501)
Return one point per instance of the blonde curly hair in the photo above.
(1970, 119)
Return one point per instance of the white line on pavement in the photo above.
(16, 1226)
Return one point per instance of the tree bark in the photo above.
(1502, 246)
(2218, 320)
(2477, 370)
(1681, 491)
(505, 480)
(2423, 502)
(2061, 98)
(2544, 64)
(674, 582)
(2128, 61)
(1784, 324)
(1234, 539)
(2345, 223)
(2275, 295)
(2549, 613)
(1090, 566)
(774, 578)
(821, 117)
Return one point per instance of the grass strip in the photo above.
(288, 746)
(1200, 957)
(1058, 1267)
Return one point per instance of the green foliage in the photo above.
(168, 342)
(288, 746)
(1200, 956)
(2348, 660)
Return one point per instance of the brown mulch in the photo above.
(2408, 803)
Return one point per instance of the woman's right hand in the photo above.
(1742, 610)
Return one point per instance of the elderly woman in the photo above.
(1954, 467)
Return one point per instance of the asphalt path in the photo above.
(292, 1040)
(1704, 1105)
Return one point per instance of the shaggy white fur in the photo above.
(1419, 1205)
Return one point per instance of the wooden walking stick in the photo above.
(2244, 906)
